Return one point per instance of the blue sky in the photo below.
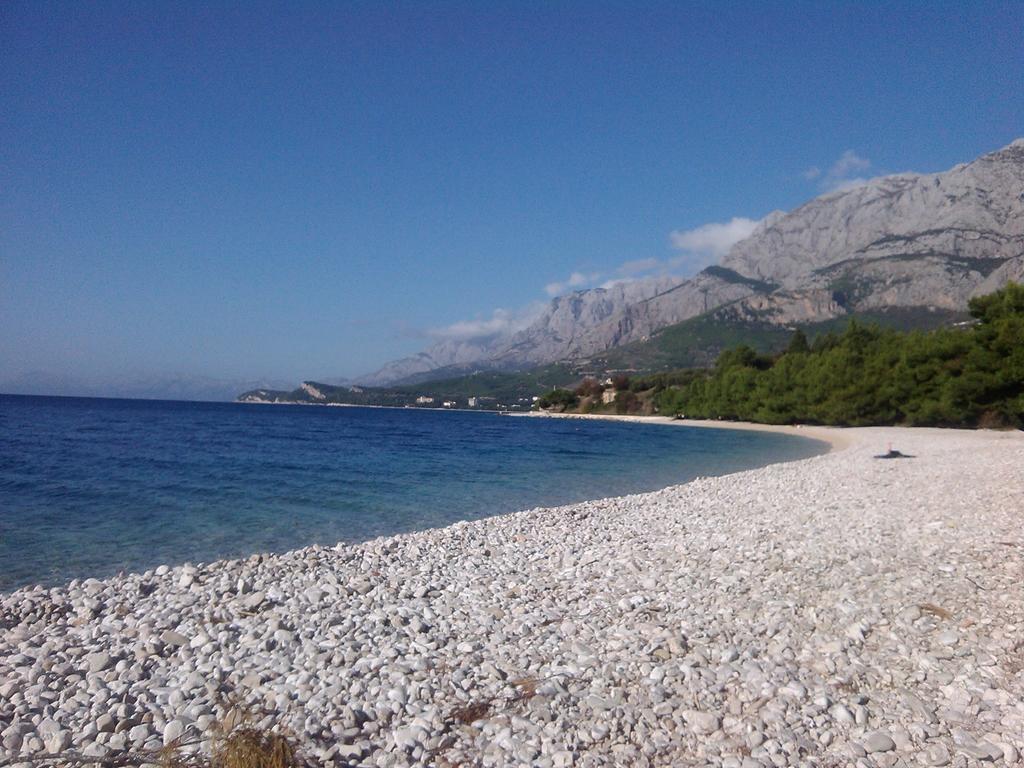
(290, 191)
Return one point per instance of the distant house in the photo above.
(424, 400)
(473, 402)
(449, 403)
(608, 396)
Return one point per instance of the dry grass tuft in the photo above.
(848, 686)
(478, 710)
(526, 688)
(236, 747)
(252, 748)
(935, 610)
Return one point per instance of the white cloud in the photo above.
(608, 284)
(637, 266)
(708, 243)
(696, 248)
(849, 163)
(471, 329)
(845, 173)
(845, 184)
(501, 322)
(575, 280)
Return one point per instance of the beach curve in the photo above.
(828, 611)
(836, 437)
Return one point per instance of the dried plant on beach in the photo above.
(252, 748)
(236, 747)
(470, 713)
(526, 688)
(935, 610)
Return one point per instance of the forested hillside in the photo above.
(966, 376)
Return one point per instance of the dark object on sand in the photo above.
(893, 455)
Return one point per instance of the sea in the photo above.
(93, 487)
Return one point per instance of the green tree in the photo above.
(561, 399)
(589, 387)
(798, 344)
(866, 375)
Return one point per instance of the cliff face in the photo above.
(582, 323)
(574, 325)
(900, 241)
(973, 211)
(909, 240)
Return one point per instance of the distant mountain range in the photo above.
(896, 243)
(570, 327)
(907, 250)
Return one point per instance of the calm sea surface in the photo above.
(91, 487)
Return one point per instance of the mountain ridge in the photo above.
(906, 240)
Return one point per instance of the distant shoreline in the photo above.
(838, 438)
(388, 407)
(834, 436)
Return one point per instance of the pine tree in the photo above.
(798, 344)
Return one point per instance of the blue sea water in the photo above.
(90, 487)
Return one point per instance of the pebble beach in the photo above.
(835, 611)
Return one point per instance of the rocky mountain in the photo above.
(902, 241)
(571, 326)
(454, 355)
(897, 241)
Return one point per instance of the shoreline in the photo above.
(837, 437)
(441, 409)
(592, 494)
(835, 608)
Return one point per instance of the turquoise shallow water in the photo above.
(91, 487)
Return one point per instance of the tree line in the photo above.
(966, 376)
(963, 376)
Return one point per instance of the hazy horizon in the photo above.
(201, 198)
